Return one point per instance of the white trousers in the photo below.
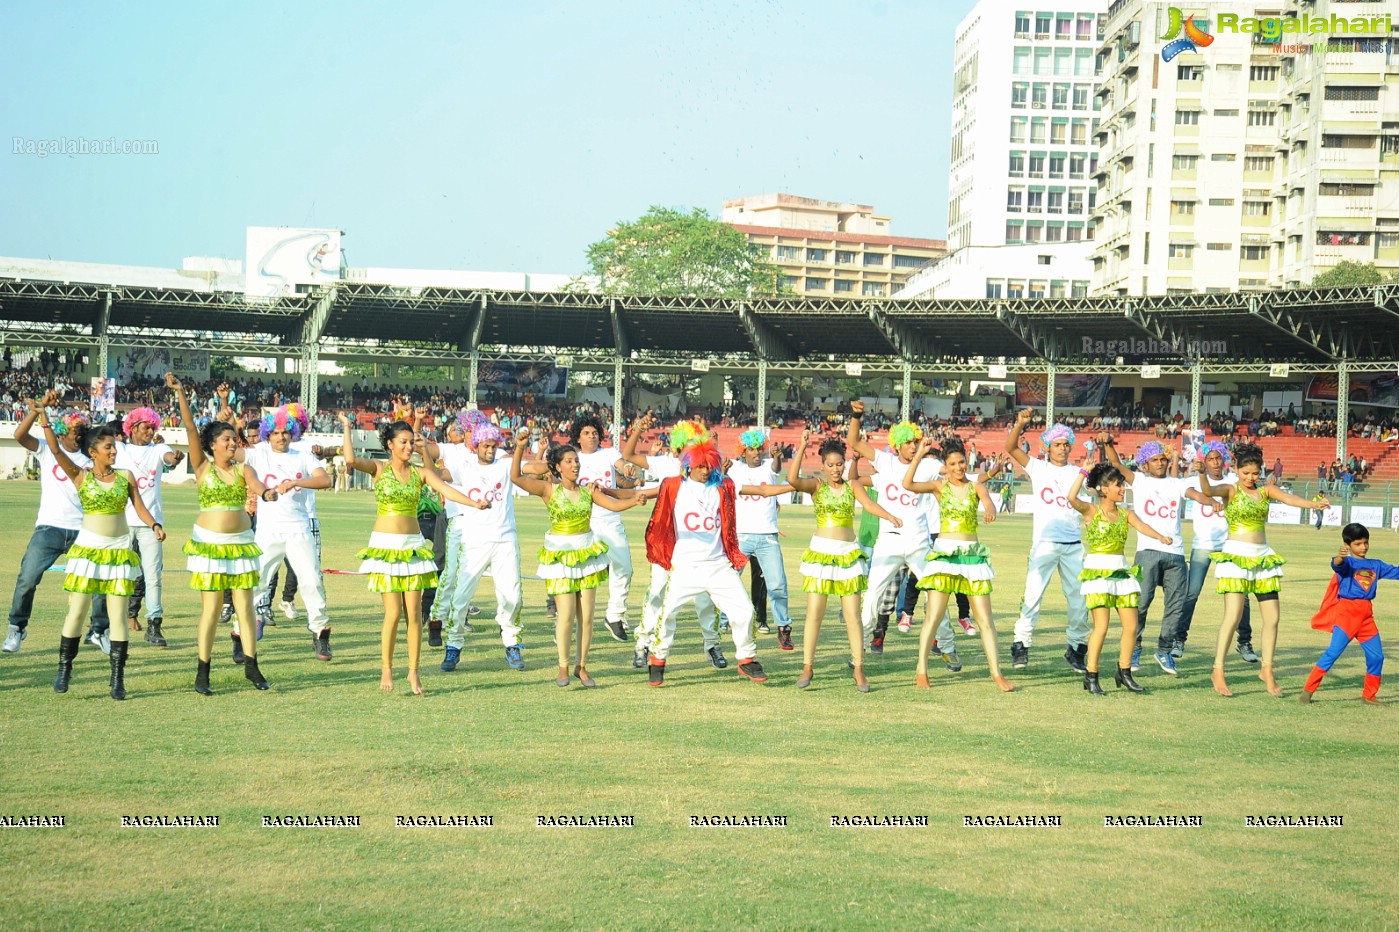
(891, 551)
(305, 560)
(619, 567)
(152, 565)
(1045, 558)
(722, 583)
(501, 558)
(646, 635)
(442, 604)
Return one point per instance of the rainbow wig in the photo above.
(139, 416)
(751, 440)
(1057, 432)
(1148, 450)
(686, 433)
(904, 432)
(1215, 446)
(471, 419)
(68, 422)
(297, 410)
(703, 453)
(280, 419)
(485, 433)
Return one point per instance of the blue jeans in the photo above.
(767, 552)
(1195, 581)
(45, 547)
(1166, 570)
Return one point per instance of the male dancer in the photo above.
(757, 524)
(494, 547)
(60, 518)
(599, 465)
(455, 456)
(1057, 542)
(146, 461)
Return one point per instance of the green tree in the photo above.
(671, 252)
(1347, 273)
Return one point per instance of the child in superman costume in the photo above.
(1347, 610)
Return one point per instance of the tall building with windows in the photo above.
(1021, 188)
(829, 249)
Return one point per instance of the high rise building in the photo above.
(1021, 189)
(828, 249)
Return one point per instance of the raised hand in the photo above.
(51, 398)
(1023, 418)
(343, 418)
(172, 383)
(857, 409)
(420, 412)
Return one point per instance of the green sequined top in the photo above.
(217, 495)
(834, 509)
(1108, 538)
(1245, 514)
(957, 513)
(398, 498)
(566, 517)
(99, 499)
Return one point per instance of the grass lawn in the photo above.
(487, 740)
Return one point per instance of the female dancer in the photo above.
(1108, 580)
(1247, 564)
(101, 561)
(398, 561)
(958, 564)
(223, 553)
(833, 563)
(572, 562)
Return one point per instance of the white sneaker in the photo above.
(289, 609)
(473, 610)
(13, 639)
(102, 642)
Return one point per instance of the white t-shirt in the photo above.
(147, 465)
(931, 512)
(486, 483)
(1055, 518)
(290, 514)
(600, 466)
(663, 467)
(908, 507)
(304, 445)
(58, 497)
(1211, 530)
(456, 458)
(1157, 502)
(697, 523)
(755, 514)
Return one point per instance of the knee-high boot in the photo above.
(67, 650)
(118, 657)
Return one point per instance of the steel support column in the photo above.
(309, 362)
(619, 396)
(762, 400)
(1195, 394)
(907, 406)
(1049, 394)
(1342, 407)
(471, 384)
(103, 341)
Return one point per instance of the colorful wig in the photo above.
(69, 421)
(485, 433)
(471, 419)
(904, 432)
(1148, 450)
(1215, 446)
(298, 411)
(685, 433)
(703, 453)
(279, 419)
(139, 416)
(751, 440)
(1057, 432)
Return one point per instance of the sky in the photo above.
(489, 137)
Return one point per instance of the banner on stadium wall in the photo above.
(542, 378)
(1071, 392)
(1380, 389)
(154, 362)
(1368, 515)
(102, 398)
(280, 258)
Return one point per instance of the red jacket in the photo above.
(660, 532)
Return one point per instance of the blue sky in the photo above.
(502, 137)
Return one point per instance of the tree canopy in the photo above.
(1348, 273)
(670, 252)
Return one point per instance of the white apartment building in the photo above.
(1021, 188)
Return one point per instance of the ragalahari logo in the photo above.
(1194, 39)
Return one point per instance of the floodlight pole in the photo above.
(762, 400)
(908, 391)
(1049, 394)
(1342, 407)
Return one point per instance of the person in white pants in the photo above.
(662, 468)
(898, 545)
(600, 466)
(1056, 545)
(285, 528)
(456, 457)
(147, 462)
(494, 547)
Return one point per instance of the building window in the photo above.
(1226, 113)
(1341, 238)
(1036, 289)
(1037, 130)
(1034, 232)
(1345, 189)
(1190, 72)
(1015, 231)
(1262, 117)
(1342, 92)
(1220, 247)
(1061, 97)
(1059, 132)
(1019, 95)
(1075, 233)
(788, 253)
(817, 284)
(1036, 164)
(1077, 161)
(816, 255)
(1187, 118)
(1183, 208)
(1043, 21)
(1056, 164)
(1034, 204)
(872, 289)
(1081, 97)
(1257, 208)
(1054, 233)
(1263, 72)
(1021, 62)
(844, 258)
(1221, 202)
(874, 258)
(1022, 25)
(1080, 134)
(844, 286)
(1038, 96)
(909, 262)
(1335, 141)
(1084, 66)
(1258, 163)
(1014, 200)
(1085, 28)
(1064, 26)
(787, 282)
(1015, 290)
(1056, 202)
(1079, 290)
(993, 289)
(1017, 129)
(1253, 253)
(1076, 202)
(1017, 165)
(1044, 260)
(1180, 251)
(1222, 157)
(1183, 163)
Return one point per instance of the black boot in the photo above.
(238, 656)
(153, 632)
(1090, 684)
(67, 650)
(1124, 678)
(119, 649)
(201, 679)
(253, 674)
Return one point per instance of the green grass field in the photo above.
(487, 740)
